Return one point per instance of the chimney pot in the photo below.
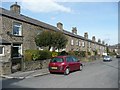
(15, 8)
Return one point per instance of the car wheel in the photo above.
(81, 67)
(67, 71)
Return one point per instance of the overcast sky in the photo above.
(96, 17)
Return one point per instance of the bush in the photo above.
(63, 53)
(27, 56)
(71, 53)
(82, 53)
(54, 54)
(45, 55)
(36, 55)
(76, 53)
(31, 55)
(95, 52)
(89, 53)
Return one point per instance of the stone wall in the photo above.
(5, 68)
(5, 60)
(34, 65)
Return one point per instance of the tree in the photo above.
(107, 50)
(57, 40)
(44, 39)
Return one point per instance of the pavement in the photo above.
(27, 74)
(34, 73)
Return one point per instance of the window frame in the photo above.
(83, 43)
(18, 25)
(19, 46)
(72, 42)
(3, 51)
(77, 42)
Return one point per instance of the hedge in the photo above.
(30, 55)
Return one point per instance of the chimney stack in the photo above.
(74, 30)
(93, 38)
(15, 8)
(103, 42)
(60, 26)
(99, 41)
(86, 35)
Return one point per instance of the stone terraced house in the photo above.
(17, 34)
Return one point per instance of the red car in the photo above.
(64, 64)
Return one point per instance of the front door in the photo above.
(16, 57)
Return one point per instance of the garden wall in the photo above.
(35, 65)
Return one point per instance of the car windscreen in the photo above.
(106, 56)
(56, 60)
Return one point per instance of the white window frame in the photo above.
(19, 50)
(18, 25)
(83, 44)
(89, 44)
(3, 51)
(79, 43)
(72, 42)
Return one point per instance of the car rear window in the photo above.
(57, 60)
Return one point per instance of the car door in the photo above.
(76, 63)
(70, 63)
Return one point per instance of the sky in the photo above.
(97, 17)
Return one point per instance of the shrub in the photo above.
(45, 55)
(89, 53)
(27, 56)
(76, 53)
(82, 53)
(36, 55)
(71, 53)
(63, 53)
(54, 54)
(95, 52)
(31, 54)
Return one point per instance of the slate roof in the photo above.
(32, 21)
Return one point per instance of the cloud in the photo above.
(87, 0)
(53, 18)
(44, 6)
(63, 0)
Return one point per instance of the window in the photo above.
(83, 44)
(17, 50)
(17, 29)
(75, 59)
(72, 43)
(89, 45)
(77, 42)
(1, 50)
(57, 60)
(69, 59)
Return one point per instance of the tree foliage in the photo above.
(57, 40)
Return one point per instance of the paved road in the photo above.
(95, 75)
